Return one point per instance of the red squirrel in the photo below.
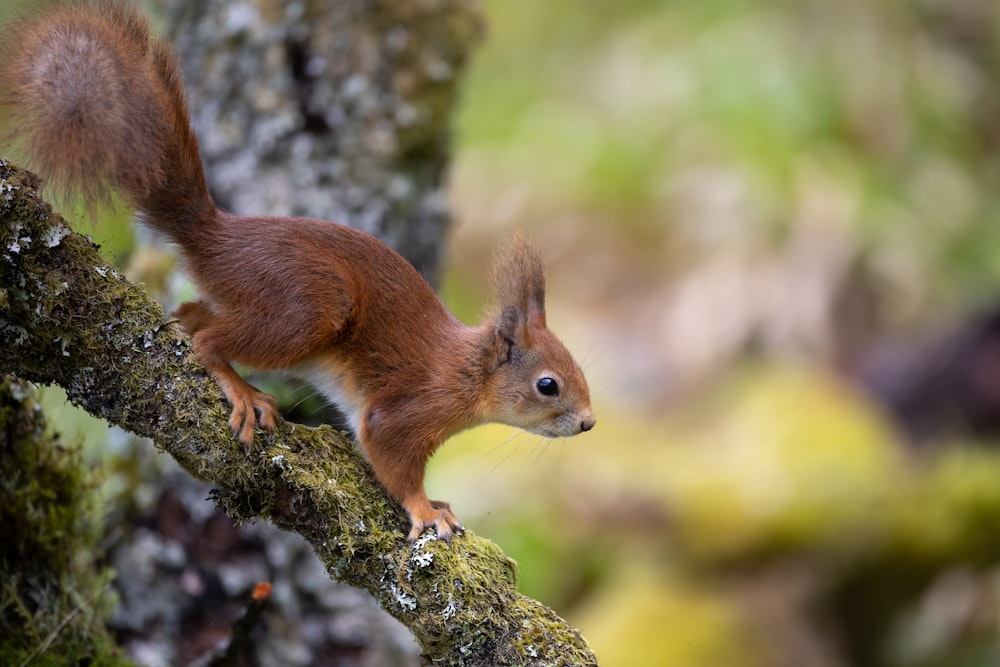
(97, 104)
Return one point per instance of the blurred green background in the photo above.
(772, 234)
(770, 229)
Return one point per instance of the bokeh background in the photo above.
(772, 234)
(773, 240)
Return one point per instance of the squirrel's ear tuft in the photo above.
(519, 282)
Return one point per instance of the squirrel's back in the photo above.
(93, 101)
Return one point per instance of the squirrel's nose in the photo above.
(587, 424)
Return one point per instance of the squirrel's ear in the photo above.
(501, 336)
(519, 284)
(512, 326)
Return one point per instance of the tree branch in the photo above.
(68, 318)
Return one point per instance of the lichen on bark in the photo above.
(70, 319)
(331, 110)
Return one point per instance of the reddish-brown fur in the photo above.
(97, 104)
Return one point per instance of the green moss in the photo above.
(53, 597)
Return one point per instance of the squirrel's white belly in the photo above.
(333, 381)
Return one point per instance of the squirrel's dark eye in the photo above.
(547, 386)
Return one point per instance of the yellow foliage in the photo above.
(648, 619)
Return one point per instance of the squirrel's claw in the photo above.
(249, 410)
(437, 515)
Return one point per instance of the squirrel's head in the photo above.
(532, 381)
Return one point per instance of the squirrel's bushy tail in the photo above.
(93, 103)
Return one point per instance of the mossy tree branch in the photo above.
(68, 318)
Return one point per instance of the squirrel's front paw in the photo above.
(434, 514)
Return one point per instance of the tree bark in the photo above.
(331, 110)
(68, 318)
